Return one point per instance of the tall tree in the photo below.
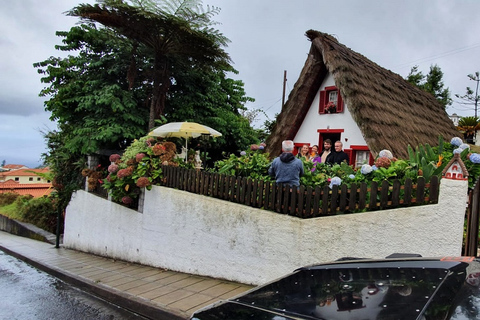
(173, 30)
(471, 97)
(432, 83)
(89, 94)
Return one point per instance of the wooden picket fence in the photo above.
(303, 202)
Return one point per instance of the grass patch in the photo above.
(11, 211)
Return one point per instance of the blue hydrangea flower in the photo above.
(475, 158)
(260, 147)
(336, 181)
(374, 168)
(243, 153)
(458, 150)
(464, 146)
(352, 176)
(366, 169)
(456, 141)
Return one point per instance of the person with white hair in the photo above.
(286, 168)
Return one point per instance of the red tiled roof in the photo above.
(24, 172)
(34, 189)
(14, 166)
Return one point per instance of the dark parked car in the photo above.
(399, 287)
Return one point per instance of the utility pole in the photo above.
(284, 84)
(475, 78)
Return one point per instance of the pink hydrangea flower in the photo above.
(113, 168)
(139, 157)
(122, 173)
(127, 200)
(114, 157)
(143, 182)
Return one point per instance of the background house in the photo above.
(9, 167)
(342, 95)
(25, 181)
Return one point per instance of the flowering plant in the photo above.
(456, 141)
(331, 107)
(335, 181)
(139, 167)
(366, 169)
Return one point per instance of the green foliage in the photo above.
(102, 93)
(41, 212)
(252, 164)
(428, 160)
(425, 161)
(468, 126)
(139, 167)
(173, 35)
(431, 83)
(208, 97)
(8, 198)
(89, 93)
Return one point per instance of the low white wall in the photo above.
(196, 234)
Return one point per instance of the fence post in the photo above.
(471, 241)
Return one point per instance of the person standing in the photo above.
(327, 148)
(304, 152)
(338, 155)
(286, 168)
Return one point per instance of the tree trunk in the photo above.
(161, 85)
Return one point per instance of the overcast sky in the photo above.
(267, 37)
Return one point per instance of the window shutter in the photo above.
(339, 103)
(321, 107)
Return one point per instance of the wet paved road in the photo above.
(28, 293)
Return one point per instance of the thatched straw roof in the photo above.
(390, 112)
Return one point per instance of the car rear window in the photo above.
(361, 291)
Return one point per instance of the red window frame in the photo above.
(324, 94)
(354, 149)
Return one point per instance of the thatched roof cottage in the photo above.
(342, 95)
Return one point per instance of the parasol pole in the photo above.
(186, 149)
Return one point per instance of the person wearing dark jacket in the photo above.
(286, 168)
(338, 155)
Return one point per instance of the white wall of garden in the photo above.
(195, 234)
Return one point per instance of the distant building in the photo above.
(27, 176)
(9, 167)
(455, 118)
(25, 181)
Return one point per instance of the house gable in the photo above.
(390, 112)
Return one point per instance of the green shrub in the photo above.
(8, 198)
(41, 212)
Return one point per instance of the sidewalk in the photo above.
(152, 292)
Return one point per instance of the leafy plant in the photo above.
(253, 163)
(139, 167)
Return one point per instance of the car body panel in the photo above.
(405, 288)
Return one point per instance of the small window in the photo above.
(333, 96)
(17, 178)
(30, 179)
(361, 157)
(38, 179)
(330, 101)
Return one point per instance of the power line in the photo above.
(440, 55)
